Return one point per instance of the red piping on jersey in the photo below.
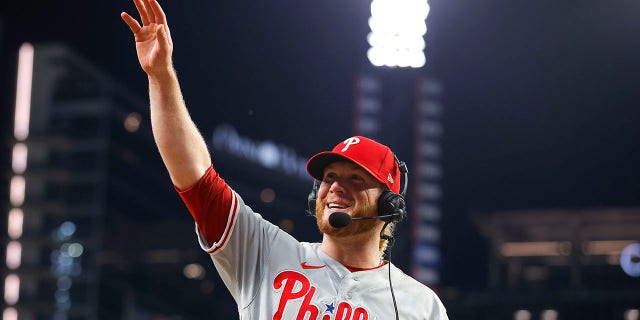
(214, 207)
(355, 269)
(304, 265)
(230, 223)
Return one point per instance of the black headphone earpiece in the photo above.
(311, 199)
(391, 207)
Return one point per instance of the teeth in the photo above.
(335, 206)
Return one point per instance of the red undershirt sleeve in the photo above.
(209, 201)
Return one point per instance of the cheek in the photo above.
(369, 201)
(322, 191)
(321, 202)
(321, 221)
(321, 205)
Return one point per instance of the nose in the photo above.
(337, 187)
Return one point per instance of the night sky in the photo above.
(541, 98)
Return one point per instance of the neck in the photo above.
(360, 251)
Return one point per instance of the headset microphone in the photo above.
(339, 219)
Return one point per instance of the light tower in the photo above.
(398, 104)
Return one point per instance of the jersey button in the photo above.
(348, 296)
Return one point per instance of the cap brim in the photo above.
(317, 163)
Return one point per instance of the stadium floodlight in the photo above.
(397, 31)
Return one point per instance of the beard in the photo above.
(357, 227)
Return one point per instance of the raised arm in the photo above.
(181, 145)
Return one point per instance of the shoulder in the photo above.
(411, 285)
(422, 299)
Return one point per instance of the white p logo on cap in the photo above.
(349, 142)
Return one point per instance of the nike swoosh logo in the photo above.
(304, 265)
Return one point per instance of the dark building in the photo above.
(558, 264)
(95, 227)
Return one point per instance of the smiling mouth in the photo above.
(336, 206)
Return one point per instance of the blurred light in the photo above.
(522, 315)
(605, 247)
(426, 254)
(14, 254)
(11, 289)
(19, 158)
(15, 223)
(267, 195)
(532, 249)
(67, 228)
(429, 191)
(613, 259)
(428, 232)
(16, 192)
(287, 225)
(397, 30)
(632, 314)
(61, 296)
(132, 122)
(73, 250)
(162, 256)
(429, 149)
(630, 259)
(207, 287)
(430, 128)
(535, 273)
(23, 92)
(429, 212)
(64, 283)
(65, 231)
(268, 154)
(10, 314)
(549, 314)
(63, 307)
(194, 271)
(271, 155)
(427, 275)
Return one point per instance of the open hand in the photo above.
(153, 40)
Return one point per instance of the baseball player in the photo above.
(271, 275)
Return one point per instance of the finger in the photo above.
(150, 12)
(161, 32)
(131, 22)
(160, 17)
(168, 34)
(142, 10)
(164, 39)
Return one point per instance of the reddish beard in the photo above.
(355, 227)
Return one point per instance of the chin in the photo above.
(356, 227)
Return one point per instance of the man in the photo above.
(269, 273)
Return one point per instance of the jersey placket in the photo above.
(348, 287)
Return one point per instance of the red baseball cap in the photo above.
(372, 156)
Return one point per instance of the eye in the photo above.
(357, 179)
(329, 177)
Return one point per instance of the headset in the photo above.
(391, 206)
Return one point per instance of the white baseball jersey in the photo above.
(273, 276)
